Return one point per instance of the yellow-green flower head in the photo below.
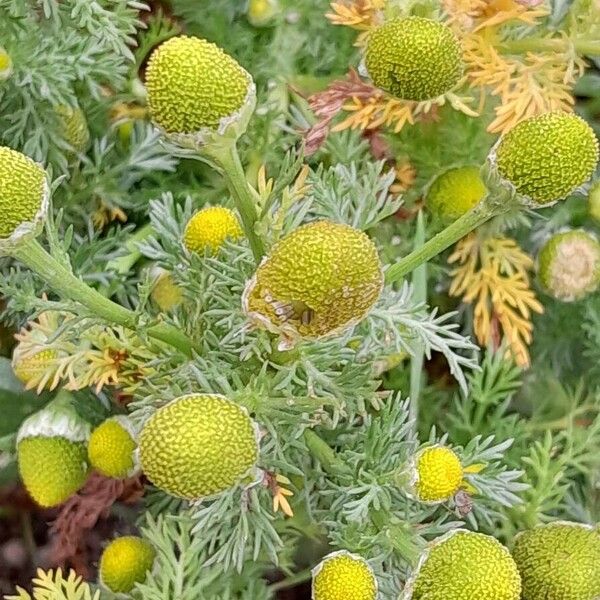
(463, 565)
(30, 369)
(195, 87)
(318, 280)
(343, 576)
(569, 265)
(24, 195)
(125, 562)
(438, 474)
(111, 449)
(547, 157)
(262, 12)
(165, 292)
(209, 228)
(52, 454)
(455, 192)
(414, 58)
(75, 128)
(594, 201)
(6, 64)
(560, 561)
(199, 445)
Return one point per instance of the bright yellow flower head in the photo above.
(209, 228)
(318, 280)
(111, 448)
(439, 474)
(198, 445)
(464, 565)
(193, 85)
(569, 265)
(343, 576)
(454, 192)
(23, 194)
(125, 562)
(559, 561)
(414, 58)
(548, 157)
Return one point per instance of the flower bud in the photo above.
(31, 369)
(569, 265)
(125, 562)
(414, 58)
(75, 128)
(195, 90)
(464, 565)
(209, 228)
(262, 12)
(319, 280)
(546, 158)
(437, 474)
(343, 576)
(199, 445)
(111, 449)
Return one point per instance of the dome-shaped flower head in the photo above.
(209, 228)
(437, 474)
(318, 280)
(414, 58)
(262, 12)
(31, 369)
(343, 576)
(125, 562)
(74, 127)
(199, 445)
(455, 192)
(463, 565)
(165, 292)
(111, 449)
(24, 195)
(559, 561)
(546, 158)
(52, 454)
(194, 89)
(569, 265)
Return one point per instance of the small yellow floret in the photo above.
(439, 473)
(111, 449)
(344, 576)
(125, 562)
(209, 228)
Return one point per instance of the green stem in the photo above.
(532, 44)
(326, 456)
(472, 219)
(124, 264)
(300, 577)
(227, 157)
(60, 279)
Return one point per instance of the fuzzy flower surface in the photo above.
(343, 576)
(462, 566)
(209, 228)
(414, 58)
(559, 561)
(198, 445)
(124, 562)
(439, 474)
(548, 157)
(569, 265)
(111, 448)
(318, 280)
(192, 84)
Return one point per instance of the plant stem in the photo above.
(123, 264)
(478, 215)
(60, 279)
(292, 580)
(326, 456)
(532, 44)
(227, 157)
(419, 281)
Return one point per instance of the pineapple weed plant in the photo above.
(329, 294)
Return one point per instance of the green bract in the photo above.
(560, 561)
(463, 566)
(198, 445)
(414, 58)
(548, 157)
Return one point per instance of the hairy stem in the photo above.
(123, 264)
(288, 582)
(323, 453)
(478, 215)
(62, 281)
(532, 44)
(227, 158)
